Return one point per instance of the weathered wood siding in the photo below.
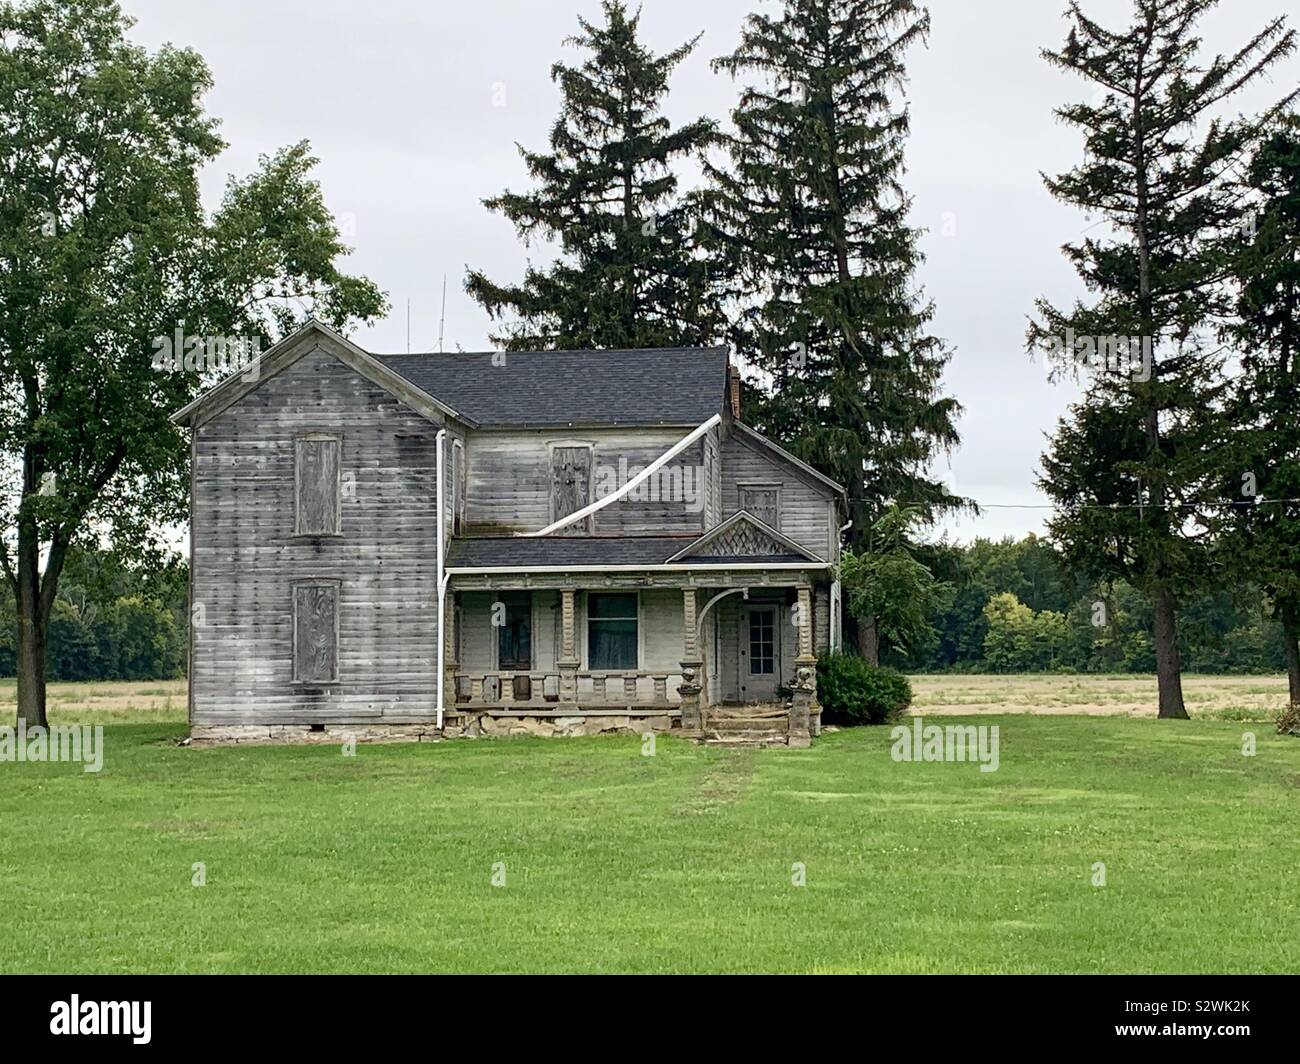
(511, 477)
(247, 558)
(807, 508)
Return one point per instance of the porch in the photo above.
(669, 646)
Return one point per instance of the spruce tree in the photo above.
(1263, 458)
(808, 220)
(628, 273)
(1132, 465)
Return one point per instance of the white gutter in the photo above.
(640, 478)
(441, 577)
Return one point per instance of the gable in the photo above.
(312, 338)
(778, 457)
(742, 537)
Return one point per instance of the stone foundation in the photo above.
(459, 725)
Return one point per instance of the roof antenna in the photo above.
(408, 326)
(442, 322)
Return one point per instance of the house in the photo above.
(438, 545)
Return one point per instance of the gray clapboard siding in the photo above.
(248, 559)
(511, 476)
(805, 514)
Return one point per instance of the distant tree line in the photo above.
(1009, 607)
(110, 621)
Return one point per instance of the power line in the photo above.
(1111, 506)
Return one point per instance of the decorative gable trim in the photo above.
(314, 336)
(742, 536)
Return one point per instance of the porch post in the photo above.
(803, 705)
(567, 662)
(451, 661)
(692, 666)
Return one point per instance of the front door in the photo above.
(514, 621)
(513, 618)
(760, 653)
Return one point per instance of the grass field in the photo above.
(614, 861)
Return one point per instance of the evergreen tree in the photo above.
(1131, 465)
(809, 220)
(629, 273)
(1266, 537)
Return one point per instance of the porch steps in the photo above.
(747, 726)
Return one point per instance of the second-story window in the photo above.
(764, 502)
(571, 486)
(317, 485)
(457, 487)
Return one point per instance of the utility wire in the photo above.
(1112, 506)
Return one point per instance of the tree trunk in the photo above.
(31, 642)
(1291, 638)
(869, 640)
(1169, 676)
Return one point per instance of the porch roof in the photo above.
(522, 553)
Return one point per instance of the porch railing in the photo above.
(539, 689)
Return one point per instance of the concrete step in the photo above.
(738, 741)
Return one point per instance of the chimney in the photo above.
(733, 396)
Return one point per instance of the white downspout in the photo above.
(441, 577)
(837, 598)
(649, 471)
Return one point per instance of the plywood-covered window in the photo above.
(316, 632)
(317, 480)
(571, 486)
(764, 502)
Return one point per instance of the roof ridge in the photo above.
(714, 349)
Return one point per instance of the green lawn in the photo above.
(678, 862)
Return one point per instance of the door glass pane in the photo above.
(762, 642)
(515, 637)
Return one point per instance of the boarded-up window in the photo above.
(317, 477)
(315, 633)
(763, 502)
(571, 486)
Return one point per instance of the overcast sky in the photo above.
(415, 108)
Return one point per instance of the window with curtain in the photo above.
(611, 631)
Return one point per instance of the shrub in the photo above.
(853, 692)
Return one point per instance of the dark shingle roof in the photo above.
(526, 551)
(672, 386)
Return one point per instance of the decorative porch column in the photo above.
(568, 662)
(692, 665)
(450, 661)
(803, 704)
